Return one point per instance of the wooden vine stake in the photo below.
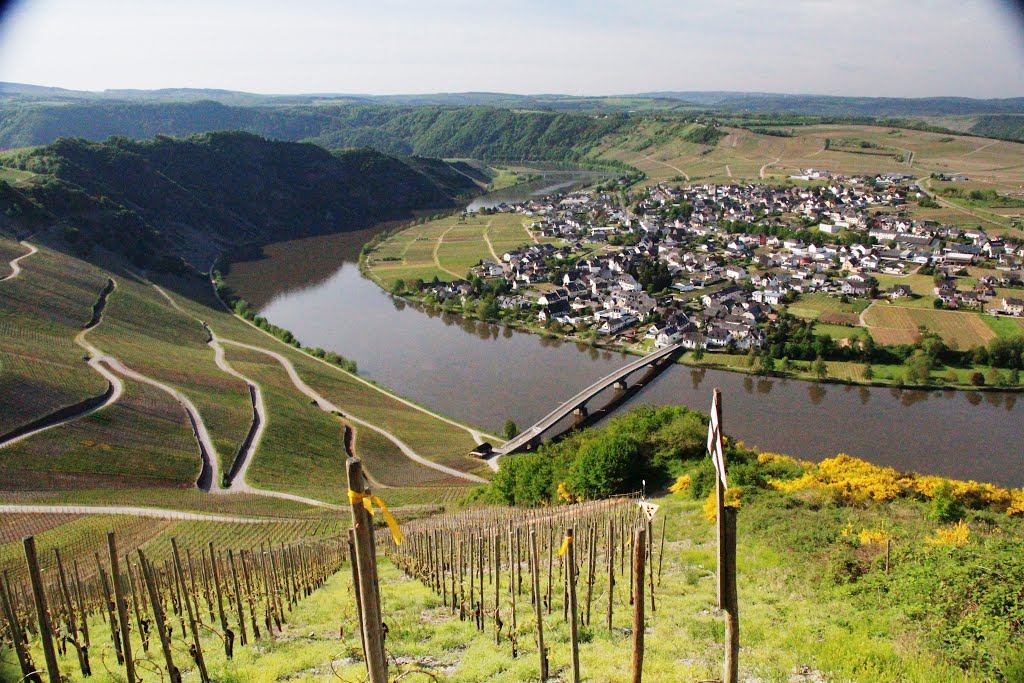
(367, 587)
(196, 649)
(726, 519)
(639, 559)
(570, 563)
(122, 608)
(538, 610)
(28, 671)
(42, 612)
(159, 618)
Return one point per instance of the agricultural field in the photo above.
(41, 368)
(657, 149)
(891, 324)
(142, 440)
(303, 448)
(828, 309)
(447, 248)
(149, 336)
(1004, 326)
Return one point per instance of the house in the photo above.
(855, 286)
(1013, 306)
(669, 336)
(899, 292)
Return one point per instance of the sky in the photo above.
(891, 48)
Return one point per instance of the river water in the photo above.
(482, 374)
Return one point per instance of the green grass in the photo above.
(41, 368)
(303, 448)
(1005, 327)
(819, 306)
(790, 618)
(149, 336)
(838, 331)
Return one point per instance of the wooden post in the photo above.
(888, 544)
(72, 622)
(238, 598)
(28, 671)
(720, 501)
(368, 589)
(732, 619)
(197, 647)
(355, 589)
(250, 598)
(139, 622)
(661, 551)
(537, 608)
(111, 615)
(611, 569)
(497, 587)
(122, 609)
(591, 559)
(639, 559)
(42, 612)
(570, 563)
(81, 605)
(158, 616)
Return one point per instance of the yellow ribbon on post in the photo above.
(368, 502)
(565, 545)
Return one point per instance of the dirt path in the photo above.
(154, 513)
(237, 477)
(728, 171)
(763, 168)
(497, 259)
(665, 163)
(956, 207)
(326, 405)
(437, 247)
(860, 317)
(16, 263)
(978, 149)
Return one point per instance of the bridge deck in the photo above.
(581, 398)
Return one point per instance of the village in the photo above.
(706, 265)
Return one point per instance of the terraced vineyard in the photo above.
(153, 338)
(142, 440)
(302, 447)
(43, 309)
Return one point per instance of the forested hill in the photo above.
(435, 131)
(194, 196)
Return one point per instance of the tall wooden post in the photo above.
(42, 612)
(720, 502)
(158, 616)
(122, 609)
(198, 650)
(570, 563)
(538, 610)
(368, 588)
(238, 597)
(611, 569)
(732, 617)
(639, 559)
(72, 622)
(28, 671)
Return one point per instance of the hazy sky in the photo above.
(841, 47)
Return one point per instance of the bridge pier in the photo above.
(620, 385)
(533, 443)
(580, 415)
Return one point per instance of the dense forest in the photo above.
(193, 196)
(434, 131)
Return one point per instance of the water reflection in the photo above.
(439, 360)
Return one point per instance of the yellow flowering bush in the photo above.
(807, 481)
(779, 458)
(682, 484)
(956, 535)
(564, 494)
(873, 536)
(732, 500)
(1016, 503)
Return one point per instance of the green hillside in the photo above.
(194, 196)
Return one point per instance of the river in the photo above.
(482, 374)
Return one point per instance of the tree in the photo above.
(398, 287)
(698, 353)
(509, 430)
(819, 368)
(977, 379)
(869, 373)
(767, 365)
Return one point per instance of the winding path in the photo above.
(237, 480)
(665, 163)
(326, 405)
(16, 263)
(437, 247)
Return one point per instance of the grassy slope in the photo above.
(790, 618)
(43, 309)
(142, 440)
(424, 433)
(303, 448)
(149, 336)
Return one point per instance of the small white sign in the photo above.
(649, 509)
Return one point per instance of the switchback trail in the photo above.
(16, 263)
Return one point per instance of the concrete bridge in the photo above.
(530, 438)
